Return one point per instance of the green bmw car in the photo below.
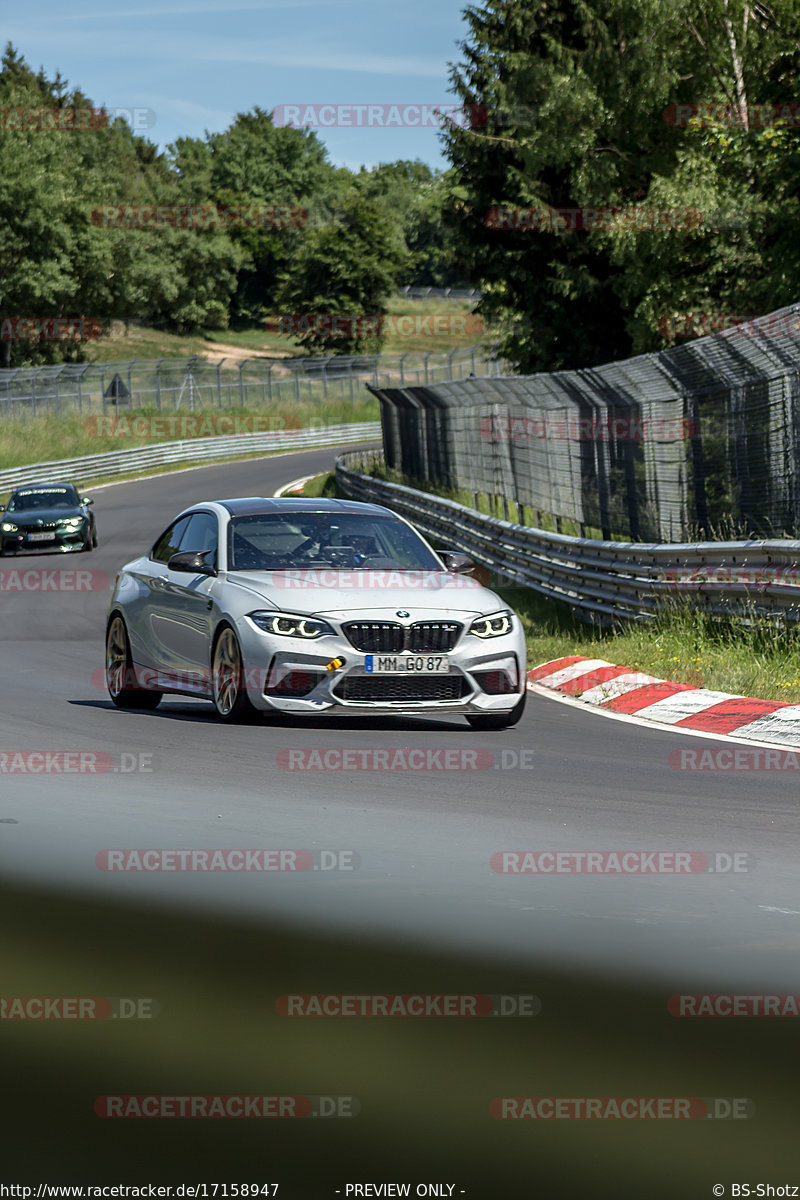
(47, 517)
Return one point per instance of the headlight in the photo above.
(71, 522)
(290, 625)
(495, 625)
(7, 527)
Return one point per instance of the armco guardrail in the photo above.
(96, 466)
(603, 581)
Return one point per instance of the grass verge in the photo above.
(49, 439)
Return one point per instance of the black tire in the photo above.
(119, 670)
(94, 537)
(229, 694)
(88, 546)
(488, 722)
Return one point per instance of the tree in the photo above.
(576, 96)
(347, 267)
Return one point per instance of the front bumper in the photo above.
(300, 677)
(57, 539)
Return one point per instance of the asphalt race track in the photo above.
(409, 852)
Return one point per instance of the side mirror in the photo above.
(192, 563)
(87, 500)
(455, 561)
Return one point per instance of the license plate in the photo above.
(407, 664)
(40, 537)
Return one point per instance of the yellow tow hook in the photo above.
(335, 663)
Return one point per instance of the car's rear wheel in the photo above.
(120, 677)
(487, 722)
(227, 678)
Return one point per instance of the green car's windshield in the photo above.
(342, 541)
(40, 498)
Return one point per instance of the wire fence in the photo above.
(439, 293)
(702, 440)
(605, 582)
(194, 384)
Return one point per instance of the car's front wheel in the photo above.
(486, 722)
(227, 678)
(120, 677)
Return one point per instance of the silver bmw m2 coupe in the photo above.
(311, 606)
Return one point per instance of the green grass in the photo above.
(51, 438)
(682, 644)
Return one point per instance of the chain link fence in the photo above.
(698, 441)
(192, 384)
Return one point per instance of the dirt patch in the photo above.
(216, 351)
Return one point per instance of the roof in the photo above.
(247, 506)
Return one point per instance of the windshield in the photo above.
(339, 540)
(40, 498)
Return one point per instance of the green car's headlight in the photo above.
(7, 527)
(71, 522)
(290, 624)
(495, 625)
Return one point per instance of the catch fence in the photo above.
(698, 441)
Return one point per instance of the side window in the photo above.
(168, 543)
(201, 535)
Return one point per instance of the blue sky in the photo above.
(196, 64)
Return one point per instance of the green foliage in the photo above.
(347, 267)
(362, 235)
(588, 87)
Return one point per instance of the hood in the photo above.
(48, 516)
(378, 593)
